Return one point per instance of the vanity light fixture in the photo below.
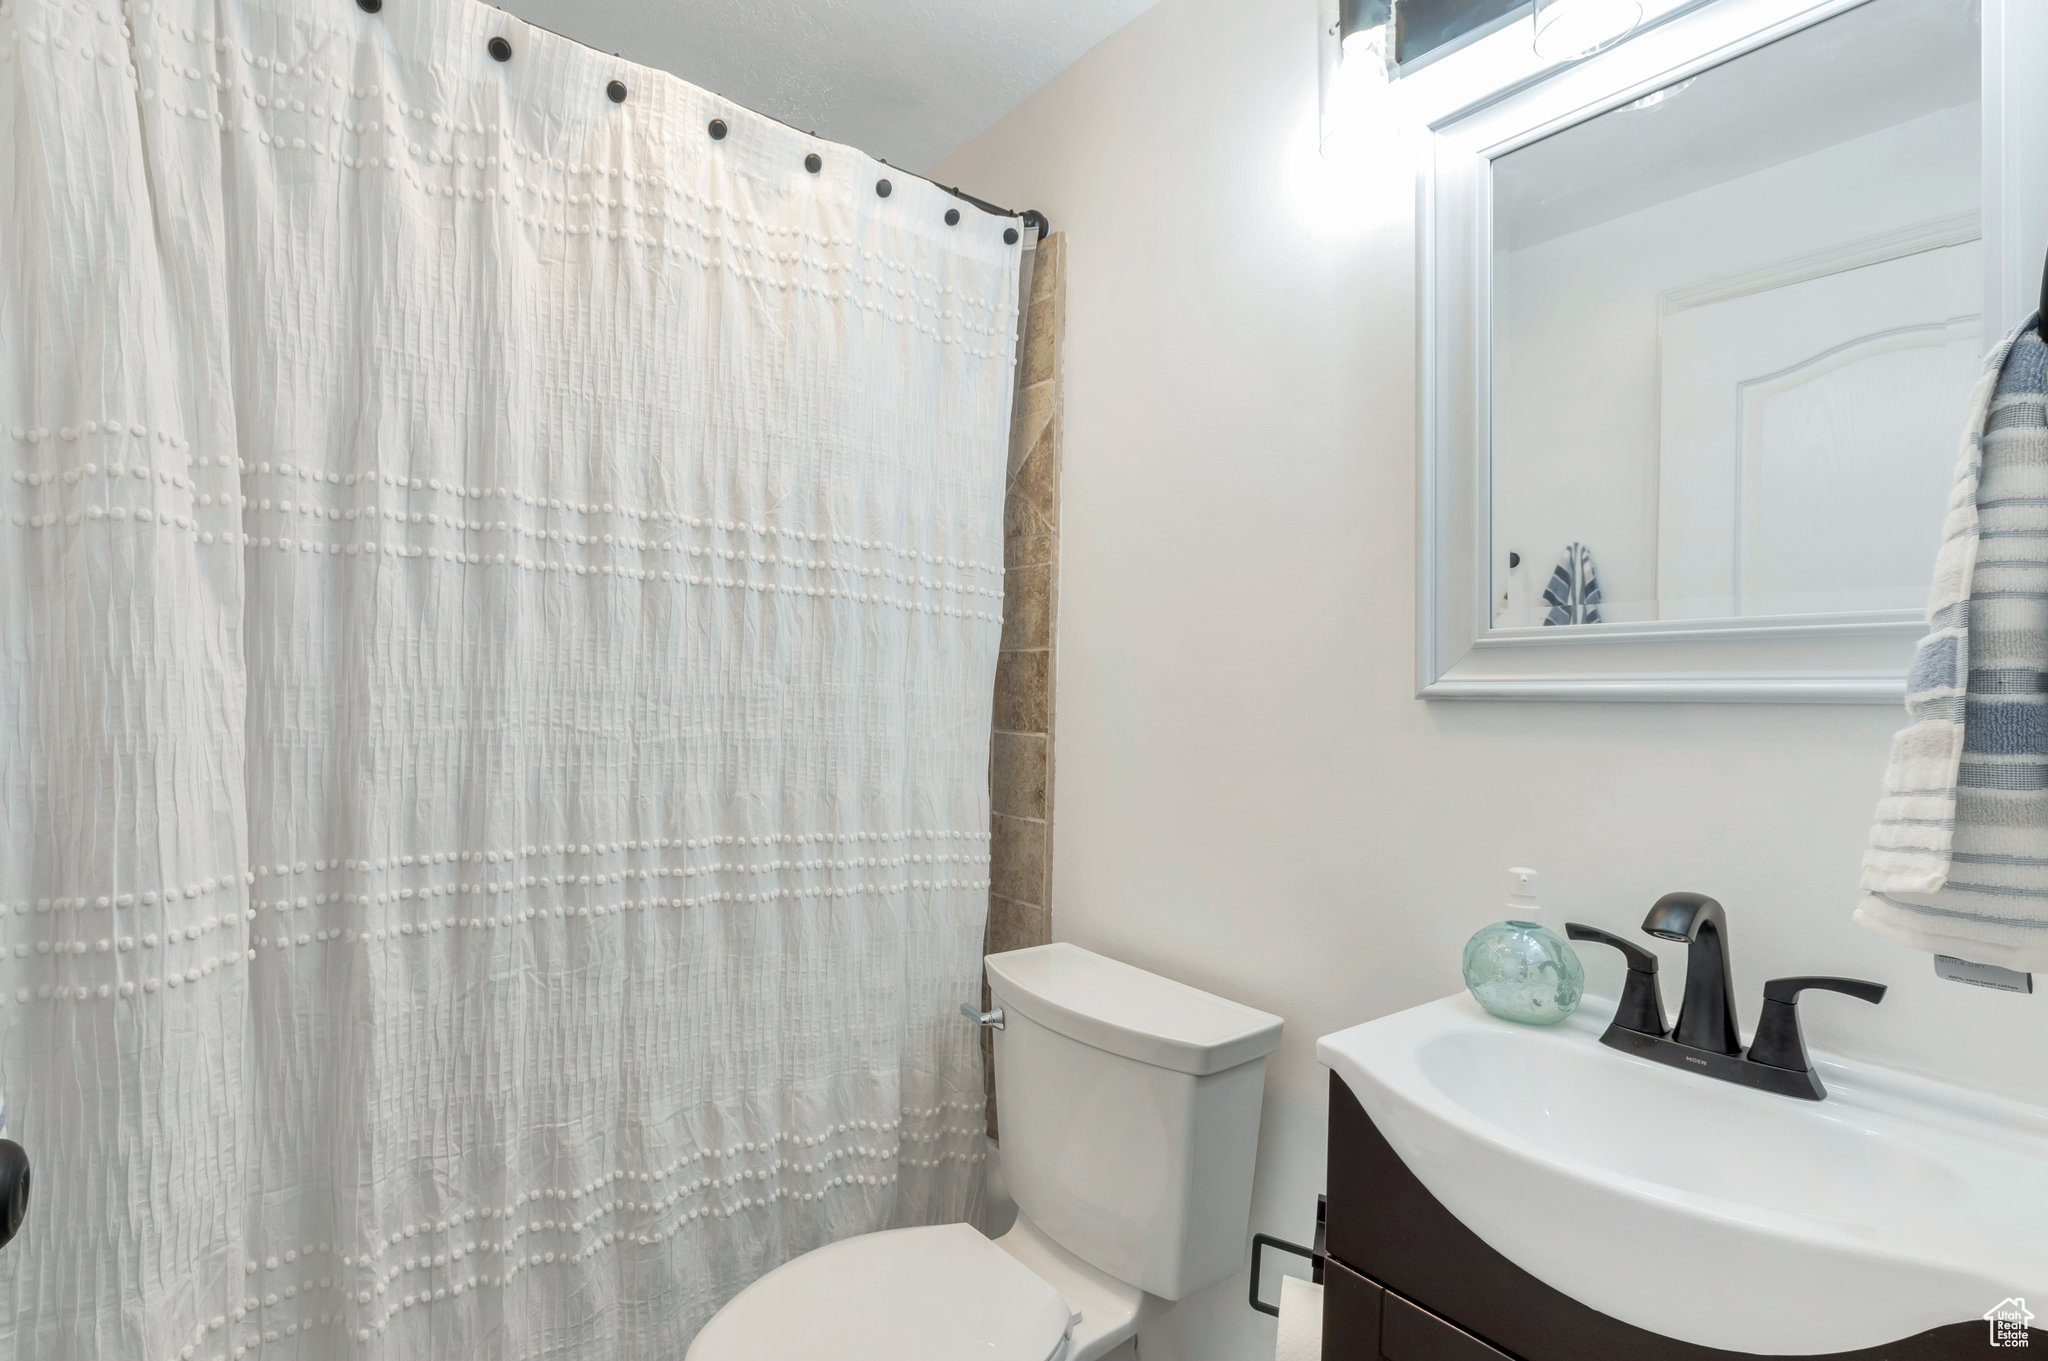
(1356, 66)
(1569, 29)
(1362, 26)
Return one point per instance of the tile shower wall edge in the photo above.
(1021, 746)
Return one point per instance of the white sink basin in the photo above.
(1705, 1211)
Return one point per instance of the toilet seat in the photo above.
(897, 1295)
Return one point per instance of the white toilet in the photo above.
(1130, 1114)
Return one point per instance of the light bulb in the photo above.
(1358, 106)
(1366, 44)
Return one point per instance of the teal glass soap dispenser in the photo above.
(1519, 969)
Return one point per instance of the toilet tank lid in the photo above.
(1113, 1006)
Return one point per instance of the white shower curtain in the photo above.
(499, 592)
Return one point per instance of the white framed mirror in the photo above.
(1700, 317)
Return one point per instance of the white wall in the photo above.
(1250, 797)
(1576, 371)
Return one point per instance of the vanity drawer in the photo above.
(1351, 1314)
(1411, 1333)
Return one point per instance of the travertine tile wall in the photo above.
(1020, 776)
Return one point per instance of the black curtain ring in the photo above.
(952, 217)
(500, 49)
(717, 129)
(369, 6)
(616, 92)
(883, 188)
(814, 163)
(1009, 236)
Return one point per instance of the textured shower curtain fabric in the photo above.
(499, 593)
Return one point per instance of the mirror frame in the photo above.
(1837, 658)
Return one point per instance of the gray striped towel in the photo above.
(1958, 859)
(1574, 590)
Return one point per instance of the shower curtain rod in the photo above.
(1029, 217)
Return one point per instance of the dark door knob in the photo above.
(14, 1180)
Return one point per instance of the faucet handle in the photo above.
(1778, 1042)
(1641, 1008)
(1639, 959)
(1788, 989)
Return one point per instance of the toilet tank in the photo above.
(1129, 1113)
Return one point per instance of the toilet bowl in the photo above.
(1130, 1118)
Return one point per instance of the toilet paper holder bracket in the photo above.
(1315, 1255)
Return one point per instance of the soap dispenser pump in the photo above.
(1519, 969)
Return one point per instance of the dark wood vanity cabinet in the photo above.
(1351, 1312)
(1408, 1332)
(1404, 1280)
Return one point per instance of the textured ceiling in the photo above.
(904, 80)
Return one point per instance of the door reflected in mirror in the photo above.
(1735, 328)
